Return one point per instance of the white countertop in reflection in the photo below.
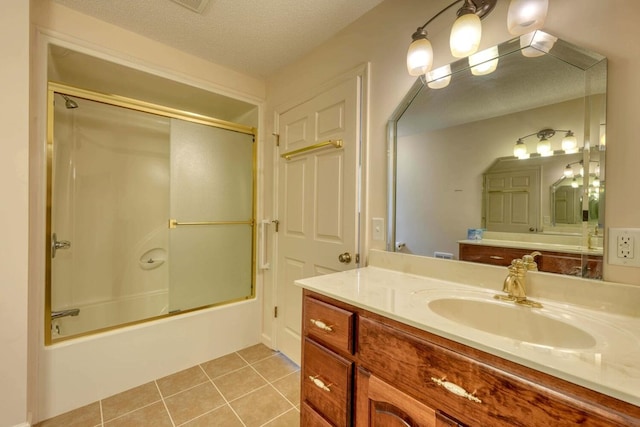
(611, 367)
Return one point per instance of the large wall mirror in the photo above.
(151, 197)
(509, 153)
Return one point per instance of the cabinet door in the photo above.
(379, 404)
(326, 383)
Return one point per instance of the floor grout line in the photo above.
(166, 408)
(223, 396)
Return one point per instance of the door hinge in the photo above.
(357, 258)
(275, 311)
(277, 224)
(277, 136)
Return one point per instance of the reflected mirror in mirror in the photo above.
(151, 212)
(490, 151)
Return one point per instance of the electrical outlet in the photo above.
(624, 246)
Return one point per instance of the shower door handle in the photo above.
(58, 244)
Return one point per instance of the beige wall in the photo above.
(382, 36)
(14, 213)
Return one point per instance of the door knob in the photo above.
(58, 244)
(345, 258)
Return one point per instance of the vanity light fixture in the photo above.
(543, 148)
(523, 16)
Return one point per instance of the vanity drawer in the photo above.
(326, 383)
(328, 324)
(310, 418)
(494, 397)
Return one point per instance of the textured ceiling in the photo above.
(256, 37)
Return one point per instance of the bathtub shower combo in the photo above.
(151, 212)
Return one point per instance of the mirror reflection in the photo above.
(480, 156)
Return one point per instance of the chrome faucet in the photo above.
(515, 283)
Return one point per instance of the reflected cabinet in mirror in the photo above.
(504, 158)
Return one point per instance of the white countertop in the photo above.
(611, 366)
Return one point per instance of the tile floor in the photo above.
(252, 387)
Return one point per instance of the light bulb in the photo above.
(596, 182)
(439, 78)
(526, 15)
(569, 143)
(574, 183)
(484, 62)
(465, 35)
(544, 147)
(568, 171)
(419, 55)
(520, 150)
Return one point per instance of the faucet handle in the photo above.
(528, 261)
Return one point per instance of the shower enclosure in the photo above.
(151, 212)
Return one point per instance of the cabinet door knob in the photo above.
(319, 383)
(321, 325)
(456, 389)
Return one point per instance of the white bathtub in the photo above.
(96, 316)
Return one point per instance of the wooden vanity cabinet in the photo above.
(398, 375)
(549, 261)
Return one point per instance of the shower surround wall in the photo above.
(111, 201)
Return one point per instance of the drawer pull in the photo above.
(319, 383)
(321, 325)
(496, 257)
(456, 389)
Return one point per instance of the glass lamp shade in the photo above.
(544, 147)
(568, 171)
(520, 150)
(419, 57)
(526, 15)
(484, 62)
(465, 35)
(574, 183)
(569, 143)
(439, 78)
(596, 182)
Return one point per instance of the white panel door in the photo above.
(317, 199)
(512, 201)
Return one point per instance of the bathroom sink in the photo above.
(509, 320)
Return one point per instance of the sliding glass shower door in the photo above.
(150, 212)
(211, 215)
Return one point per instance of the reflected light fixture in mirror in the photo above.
(484, 62)
(536, 43)
(543, 148)
(439, 78)
(524, 16)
